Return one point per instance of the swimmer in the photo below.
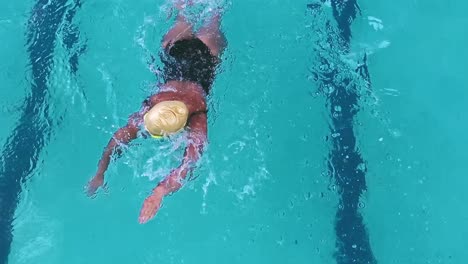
(189, 63)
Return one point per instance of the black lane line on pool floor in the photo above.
(20, 155)
(346, 165)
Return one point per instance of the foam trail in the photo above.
(20, 155)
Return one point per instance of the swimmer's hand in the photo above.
(94, 184)
(150, 207)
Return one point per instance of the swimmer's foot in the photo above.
(150, 207)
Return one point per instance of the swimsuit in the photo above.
(189, 60)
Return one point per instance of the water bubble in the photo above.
(361, 167)
(280, 241)
(395, 133)
(335, 135)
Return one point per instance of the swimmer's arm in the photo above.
(173, 182)
(123, 136)
(196, 143)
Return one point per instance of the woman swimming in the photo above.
(190, 60)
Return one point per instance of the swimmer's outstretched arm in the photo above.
(196, 143)
(121, 137)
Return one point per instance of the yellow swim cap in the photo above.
(166, 118)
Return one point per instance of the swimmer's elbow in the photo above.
(125, 134)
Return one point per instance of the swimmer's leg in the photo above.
(212, 35)
(182, 29)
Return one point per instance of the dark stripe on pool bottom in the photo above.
(22, 149)
(345, 162)
(345, 11)
(353, 244)
(346, 166)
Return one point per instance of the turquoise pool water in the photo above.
(263, 194)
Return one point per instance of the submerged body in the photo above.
(190, 61)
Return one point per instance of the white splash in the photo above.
(370, 49)
(261, 173)
(238, 146)
(391, 92)
(384, 44)
(376, 23)
(196, 11)
(211, 179)
(111, 97)
(155, 159)
(140, 37)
